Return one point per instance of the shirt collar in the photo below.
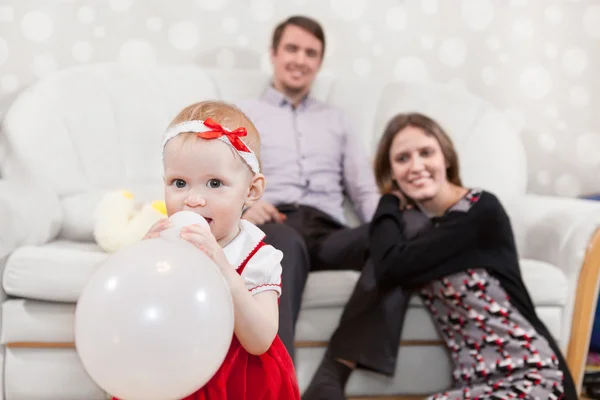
(243, 244)
(274, 97)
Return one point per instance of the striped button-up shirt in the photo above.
(311, 156)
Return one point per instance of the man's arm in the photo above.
(358, 178)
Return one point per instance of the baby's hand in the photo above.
(205, 241)
(157, 228)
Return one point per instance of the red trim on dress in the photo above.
(260, 244)
(266, 284)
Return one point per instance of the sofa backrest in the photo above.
(490, 150)
(491, 153)
(98, 126)
(94, 128)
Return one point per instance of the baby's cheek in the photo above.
(172, 201)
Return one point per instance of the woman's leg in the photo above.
(371, 325)
(368, 337)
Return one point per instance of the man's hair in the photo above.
(306, 23)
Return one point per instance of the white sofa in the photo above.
(76, 134)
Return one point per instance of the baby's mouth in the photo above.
(209, 220)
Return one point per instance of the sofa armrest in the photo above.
(8, 231)
(566, 233)
(30, 215)
(555, 230)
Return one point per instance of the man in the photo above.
(312, 160)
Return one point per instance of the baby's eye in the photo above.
(179, 183)
(214, 183)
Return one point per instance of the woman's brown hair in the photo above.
(383, 167)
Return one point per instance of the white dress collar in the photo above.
(243, 244)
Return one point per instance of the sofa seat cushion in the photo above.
(408, 380)
(546, 283)
(57, 271)
(317, 325)
(47, 374)
(33, 321)
(37, 321)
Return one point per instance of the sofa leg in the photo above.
(584, 310)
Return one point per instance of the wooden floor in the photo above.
(407, 398)
(388, 398)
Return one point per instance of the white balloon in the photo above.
(155, 321)
(181, 219)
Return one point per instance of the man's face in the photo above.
(296, 60)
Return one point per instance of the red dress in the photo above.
(243, 376)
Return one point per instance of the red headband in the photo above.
(218, 131)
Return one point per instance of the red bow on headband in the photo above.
(218, 131)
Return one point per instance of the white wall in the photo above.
(533, 59)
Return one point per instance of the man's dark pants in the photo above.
(310, 240)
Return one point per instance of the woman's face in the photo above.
(418, 164)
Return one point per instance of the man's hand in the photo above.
(262, 212)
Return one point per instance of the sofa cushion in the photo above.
(546, 283)
(8, 228)
(33, 273)
(50, 322)
(56, 271)
(59, 270)
(47, 374)
(408, 380)
(318, 324)
(33, 321)
(110, 140)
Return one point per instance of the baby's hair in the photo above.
(228, 115)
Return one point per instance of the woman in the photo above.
(463, 264)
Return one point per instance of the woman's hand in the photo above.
(398, 194)
(404, 204)
(157, 228)
(205, 241)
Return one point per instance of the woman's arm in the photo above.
(398, 260)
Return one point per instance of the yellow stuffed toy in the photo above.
(120, 221)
